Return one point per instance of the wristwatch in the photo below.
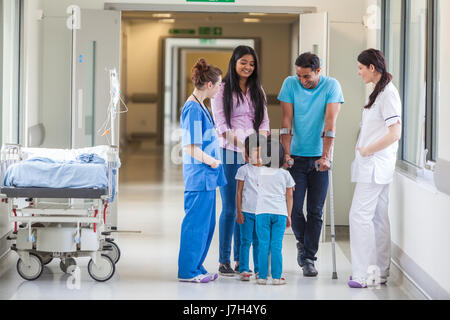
(285, 131)
(328, 134)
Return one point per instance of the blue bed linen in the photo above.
(47, 173)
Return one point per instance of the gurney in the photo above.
(66, 221)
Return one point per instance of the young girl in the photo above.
(202, 173)
(373, 171)
(239, 109)
(273, 210)
(247, 192)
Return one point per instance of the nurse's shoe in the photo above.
(213, 276)
(383, 280)
(357, 283)
(201, 278)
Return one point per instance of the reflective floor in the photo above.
(151, 202)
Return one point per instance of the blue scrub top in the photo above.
(309, 112)
(198, 129)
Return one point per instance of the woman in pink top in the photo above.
(239, 109)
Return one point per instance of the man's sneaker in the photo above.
(278, 282)
(201, 278)
(308, 269)
(226, 270)
(300, 253)
(244, 276)
(261, 281)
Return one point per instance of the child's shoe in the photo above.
(278, 282)
(261, 281)
(244, 276)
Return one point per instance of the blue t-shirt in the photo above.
(309, 112)
(198, 129)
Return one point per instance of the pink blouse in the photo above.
(242, 117)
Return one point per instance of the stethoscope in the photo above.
(208, 114)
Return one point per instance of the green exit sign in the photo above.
(209, 0)
(207, 31)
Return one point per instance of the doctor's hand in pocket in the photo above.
(363, 152)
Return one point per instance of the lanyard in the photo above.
(208, 114)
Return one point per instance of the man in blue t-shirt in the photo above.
(310, 104)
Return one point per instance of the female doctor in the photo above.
(202, 173)
(373, 170)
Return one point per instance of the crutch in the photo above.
(332, 231)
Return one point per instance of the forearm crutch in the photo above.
(332, 231)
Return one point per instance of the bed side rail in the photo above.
(10, 154)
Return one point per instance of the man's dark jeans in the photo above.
(315, 183)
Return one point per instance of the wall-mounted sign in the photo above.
(181, 31)
(216, 31)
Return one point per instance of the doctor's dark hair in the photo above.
(308, 60)
(254, 141)
(273, 151)
(202, 73)
(376, 58)
(231, 86)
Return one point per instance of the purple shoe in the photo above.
(213, 276)
(356, 284)
(202, 278)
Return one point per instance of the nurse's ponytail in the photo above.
(376, 58)
(202, 73)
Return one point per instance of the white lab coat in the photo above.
(369, 221)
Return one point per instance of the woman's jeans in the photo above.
(248, 238)
(228, 226)
(270, 232)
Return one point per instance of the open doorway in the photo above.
(150, 83)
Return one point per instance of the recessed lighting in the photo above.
(167, 20)
(251, 20)
(162, 15)
(257, 14)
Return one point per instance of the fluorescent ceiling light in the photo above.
(251, 20)
(167, 20)
(257, 14)
(161, 15)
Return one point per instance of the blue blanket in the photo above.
(88, 171)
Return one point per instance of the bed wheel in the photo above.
(103, 270)
(114, 253)
(33, 271)
(65, 266)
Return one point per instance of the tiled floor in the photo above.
(151, 201)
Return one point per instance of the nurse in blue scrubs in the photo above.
(202, 173)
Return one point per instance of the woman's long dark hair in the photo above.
(376, 58)
(231, 86)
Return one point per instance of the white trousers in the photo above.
(370, 236)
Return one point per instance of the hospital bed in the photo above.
(58, 201)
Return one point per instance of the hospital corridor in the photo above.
(145, 145)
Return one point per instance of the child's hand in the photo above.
(240, 218)
(288, 222)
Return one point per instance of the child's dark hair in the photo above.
(254, 140)
(273, 153)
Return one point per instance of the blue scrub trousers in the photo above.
(228, 226)
(248, 238)
(197, 232)
(270, 232)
